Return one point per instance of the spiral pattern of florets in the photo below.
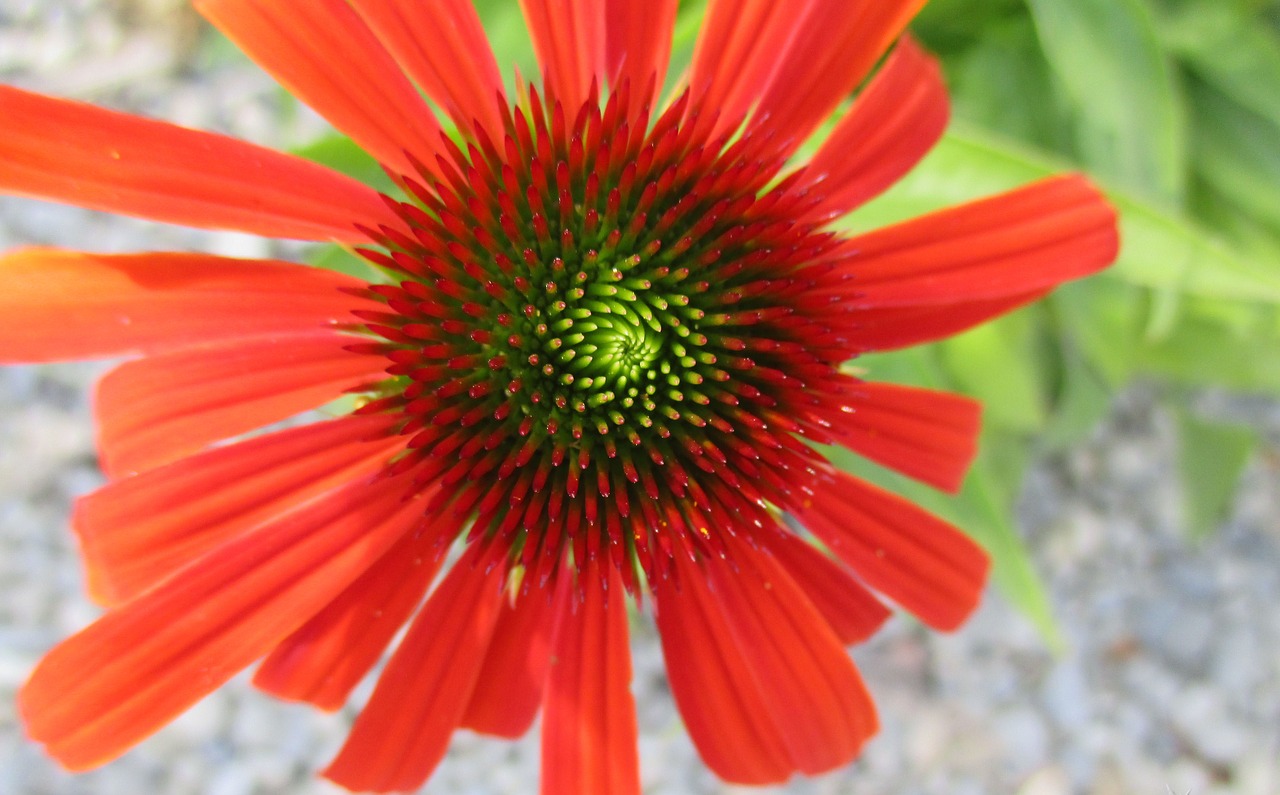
(596, 334)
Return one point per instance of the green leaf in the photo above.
(1219, 344)
(1083, 400)
(340, 153)
(997, 364)
(337, 258)
(1236, 152)
(1108, 57)
(1159, 249)
(1103, 318)
(1230, 49)
(1213, 456)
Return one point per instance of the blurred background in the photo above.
(1127, 487)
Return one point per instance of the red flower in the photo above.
(609, 332)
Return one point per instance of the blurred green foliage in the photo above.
(1173, 107)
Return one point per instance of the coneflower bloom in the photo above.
(602, 363)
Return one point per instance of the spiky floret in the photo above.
(599, 336)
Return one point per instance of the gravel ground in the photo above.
(1170, 682)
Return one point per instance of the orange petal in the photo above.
(638, 43)
(90, 157)
(568, 36)
(589, 716)
(324, 54)
(807, 682)
(893, 123)
(515, 668)
(327, 657)
(138, 531)
(402, 733)
(713, 686)
(885, 328)
(108, 687)
(832, 47)
(72, 305)
(928, 435)
(1028, 239)
(924, 564)
(852, 611)
(443, 47)
(155, 410)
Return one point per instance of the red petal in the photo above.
(328, 656)
(515, 668)
(892, 327)
(137, 531)
(832, 47)
(638, 42)
(892, 124)
(72, 305)
(105, 689)
(568, 36)
(851, 610)
(1029, 239)
(924, 564)
(324, 54)
(402, 733)
(90, 157)
(589, 716)
(931, 436)
(807, 682)
(713, 686)
(442, 46)
(155, 410)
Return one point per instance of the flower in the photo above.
(609, 340)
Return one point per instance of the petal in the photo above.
(568, 36)
(58, 304)
(515, 668)
(893, 123)
(442, 46)
(155, 410)
(324, 54)
(928, 435)
(807, 682)
(713, 686)
(108, 687)
(137, 531)
(638, 42)
(852, 611)
(75, 153)
(833, 46)
(402, 733)
(892, 327)
(924, 564)
(1028, 239)
(327, 657)
(589, 716)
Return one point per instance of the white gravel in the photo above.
(1171, 678)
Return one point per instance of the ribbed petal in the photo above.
(1009, 245)
(568, 36)
(58, 304)
(852, 611)
(713, 685)
(807, 682)
(328, 656)
(324, 54)
(138, 531)
(443, 47)
(638, 42)
(515, 668)
(928, 435)
(77, 154)
(108, 687)
(736, 50)
(589, 716)
(924, 564)
(158, 409)
(893, 123)
(402, 733)
(833, 46)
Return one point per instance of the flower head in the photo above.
(608, 340)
